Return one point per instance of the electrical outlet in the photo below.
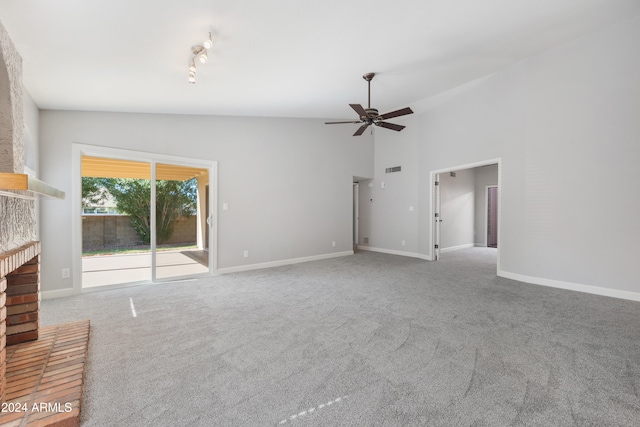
(246, 253)
(66, 273)
(333, 244)
(404, 243)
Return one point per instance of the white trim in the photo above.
(58, 293)
(578, 287)
(457, 248)
(394, 252)
(76, 217)
(479, 245)
(153, 227)
(213, 249)
(280, 263)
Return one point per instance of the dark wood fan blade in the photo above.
(397, 113)
(391, 126)
(361, 130)
(358, 109)
(338, 123)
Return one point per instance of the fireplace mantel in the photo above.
(26, 187)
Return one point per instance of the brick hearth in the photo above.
(45, 378)
(19, 300)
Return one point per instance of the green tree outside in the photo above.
(133, 197)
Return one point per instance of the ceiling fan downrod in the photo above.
(368, 77)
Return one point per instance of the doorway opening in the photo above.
(466, 208)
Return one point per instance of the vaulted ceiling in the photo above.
(287, 58)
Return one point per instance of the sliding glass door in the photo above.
(181, 221)
(144, 220)
(116, 245)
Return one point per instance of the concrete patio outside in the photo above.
(102, 270)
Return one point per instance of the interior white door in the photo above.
(437, 219)
(356, 214)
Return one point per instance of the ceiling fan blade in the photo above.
(397, 113)
(338, 123)
(358, 109)
(361, 130)
(391, 126)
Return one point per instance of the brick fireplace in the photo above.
(39, 367)
(19, 300)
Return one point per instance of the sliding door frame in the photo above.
(79, 150)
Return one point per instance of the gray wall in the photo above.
(388, 220)
(565, 124)
(457, 207)
(288, 182)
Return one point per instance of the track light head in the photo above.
(208, 42)
(202, 57)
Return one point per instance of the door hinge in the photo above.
(437, 214)
(436, 183)
(437, 246)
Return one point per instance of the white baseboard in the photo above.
(457, 248)
(280, 263)
(58, 293)
(394, 252)
(479, 245)
(596, 290)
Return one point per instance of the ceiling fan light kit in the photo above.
(370, 116)
(199, 53)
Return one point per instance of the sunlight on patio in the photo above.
(101, 270)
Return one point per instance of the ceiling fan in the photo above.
(369, 116)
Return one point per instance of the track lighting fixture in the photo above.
(199, 52)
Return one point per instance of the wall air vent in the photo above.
(393, 169)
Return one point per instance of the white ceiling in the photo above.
(290, 58)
